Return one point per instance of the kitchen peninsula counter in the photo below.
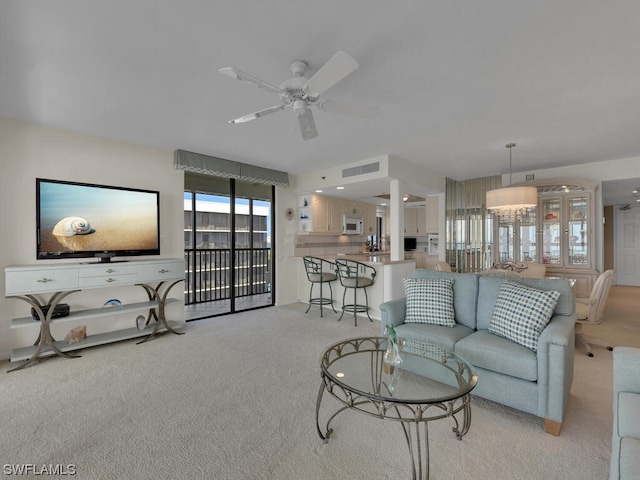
(387, 286)
(373, 259)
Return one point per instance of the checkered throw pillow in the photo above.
(521, 313)
(429, 300)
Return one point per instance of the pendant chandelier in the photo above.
(512, 203)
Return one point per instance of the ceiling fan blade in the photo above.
(352, 109)
(258, 114)
(338, 67)
(307, 124)
(245, 77)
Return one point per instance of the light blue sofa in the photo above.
(625, 441)
(508, 373)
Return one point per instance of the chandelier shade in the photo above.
(512, 203)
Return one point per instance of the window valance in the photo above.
(220, 167)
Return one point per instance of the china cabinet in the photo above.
(559, 233)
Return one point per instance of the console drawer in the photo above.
(108, 270)
(157, 272)
(40, 280)
(108, 280)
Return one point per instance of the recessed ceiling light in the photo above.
(339, 188)
(383, 204)
(318, 191)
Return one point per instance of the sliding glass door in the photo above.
(252, 257)
(228, 248)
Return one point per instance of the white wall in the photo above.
(286, 267)
(29, 151)
(598, 172)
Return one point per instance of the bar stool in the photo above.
(320, 271)
(355, 275)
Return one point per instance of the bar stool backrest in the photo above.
(319, 269)
(354, 274)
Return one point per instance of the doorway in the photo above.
(228, 247)
(627, 245)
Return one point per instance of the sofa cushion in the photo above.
(629, 458)
(629, 415)
(488, 288)
(465, 293)
(491, 352)
(522, 312)
(429, 301)
(444, 336)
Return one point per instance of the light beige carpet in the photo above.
(234, 398)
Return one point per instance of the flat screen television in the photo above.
(410, 243)
(82, 220)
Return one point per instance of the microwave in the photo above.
(352, 225)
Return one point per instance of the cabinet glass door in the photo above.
(551, 232)
(578, 254)
(505, 242)
(527, 247)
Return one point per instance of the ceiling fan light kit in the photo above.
(512, 203)
(300, 92)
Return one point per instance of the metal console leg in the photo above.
(45, 339)
(159, 315)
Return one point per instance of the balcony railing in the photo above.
(208, 273)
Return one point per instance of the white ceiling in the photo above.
(455, 80)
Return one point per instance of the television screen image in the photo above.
(85, 220)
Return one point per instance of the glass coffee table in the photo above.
(355, 373)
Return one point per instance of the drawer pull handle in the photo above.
(109, 280)
(163, 271)
(45, 280)
(111, 270)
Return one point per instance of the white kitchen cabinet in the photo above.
(415, 221)
(353, 208)
(387, 222)
(369, 218)
(432, 205)
(418, 257)
(320, 214)
(327, 214)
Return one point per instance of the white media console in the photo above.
(27, 283)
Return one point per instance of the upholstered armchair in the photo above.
(590, 311)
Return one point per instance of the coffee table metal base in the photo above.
(413, 417)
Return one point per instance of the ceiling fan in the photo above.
(301, 92)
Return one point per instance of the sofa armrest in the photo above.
(559, 331)
(555, 353)
(626, 378)
(393, 313)
(626, 370)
